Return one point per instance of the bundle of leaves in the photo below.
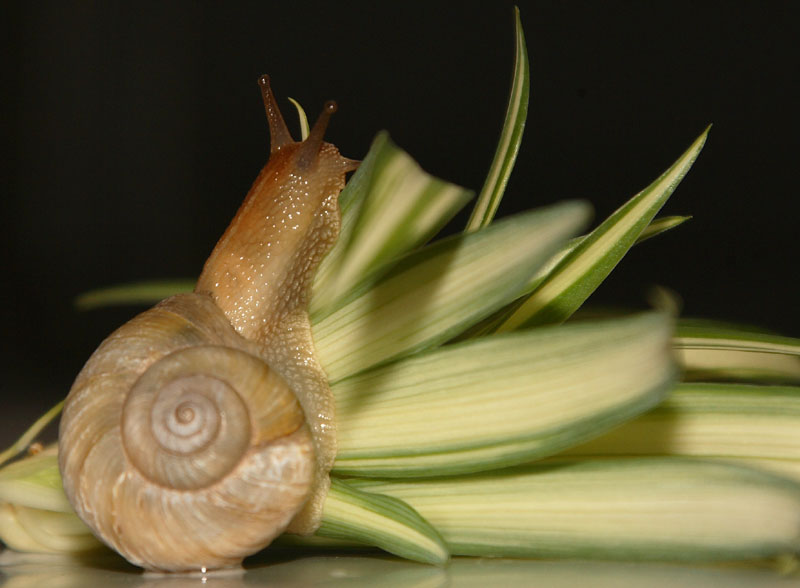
(478, 415)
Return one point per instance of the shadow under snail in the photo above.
(204, 427)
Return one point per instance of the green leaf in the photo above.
(147, 293)
(390, 207)
(501, 400)
(34, 482)
(661, 225)
(711, 351)
(510, 137)
(490, 324)
(382, 521)
(579, 273)
(757, 425)
(351, 199)
(44, 531)
(656, 227)
(301, 115)
(439, 291)
(28, 436)
(654, 509)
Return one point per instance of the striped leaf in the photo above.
(44, 531)
(390, 207)
(654, 509)
(501, 400)
(510, 137)
(34, 482)
(757, 425)
(713, 351)
(35, 515)
(439, 291)
(584, 268)
(490, 324)
(656, 227)
(373, 519)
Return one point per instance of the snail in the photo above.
(204, 427)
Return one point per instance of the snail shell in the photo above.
(204, 427)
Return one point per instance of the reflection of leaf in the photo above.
(360, 571)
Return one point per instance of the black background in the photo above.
(133, 130)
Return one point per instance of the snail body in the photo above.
(203, 428)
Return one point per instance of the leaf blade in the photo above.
(386, 522)
(520, 397)
(510, 136)
(146, 292)
(584, 268)
(653, 509)
(740, 423)
(392, 207)
(440, 290)
(710, 351)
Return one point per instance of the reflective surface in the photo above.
(367, 570)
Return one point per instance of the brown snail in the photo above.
(204, 427)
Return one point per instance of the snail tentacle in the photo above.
(278, 131)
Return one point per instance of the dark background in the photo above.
(133, 131)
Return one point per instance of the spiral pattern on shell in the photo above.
(179, 446)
